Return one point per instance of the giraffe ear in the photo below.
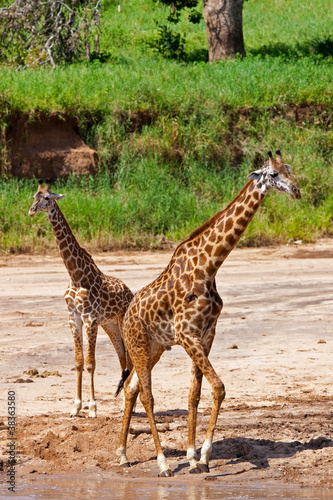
(59, 196)
(288, 167)
(255, 175)
(54, 196)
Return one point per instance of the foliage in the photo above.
(177, 6)
(170, 43)
(157, 183)
(47, 31)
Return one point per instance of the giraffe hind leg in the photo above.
(131, 391)
(125, 374)
(141, 380)
(113, 331)
(124, 377)
(148, 403)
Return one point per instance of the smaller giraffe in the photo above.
(182, 307)
(92, 298)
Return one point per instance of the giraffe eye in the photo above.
(46, 198)
(274, 174)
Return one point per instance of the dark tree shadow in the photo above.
(197, 55)
(315, 47)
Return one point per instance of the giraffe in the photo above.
(182, 306)
(92, 298)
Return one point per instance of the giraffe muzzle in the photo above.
(296, 193)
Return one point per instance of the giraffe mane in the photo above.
(210, 221)
(69, 229)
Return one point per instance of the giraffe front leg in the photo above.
(91, 331)
(75, 324)
(78, 398)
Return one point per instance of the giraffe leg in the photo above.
(149, 355)
(131, 391)
(91, 330)
(197, 352)
(114, 332)
(193, 402)
(128, 361)
(75, 324)
(147, 400)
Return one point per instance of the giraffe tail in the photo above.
(124, 376)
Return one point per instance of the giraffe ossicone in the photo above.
(92, 298)
(182, 307)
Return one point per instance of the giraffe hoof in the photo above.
(202, 467)
(166, 473)
(195, 470)
(126, 464)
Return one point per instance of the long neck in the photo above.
(210, 244)
(76, 259)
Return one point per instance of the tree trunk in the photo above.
(224, 27)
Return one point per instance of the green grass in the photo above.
(176, 139)
(99, 89)
(143, 203)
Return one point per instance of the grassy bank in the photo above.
(145, 200)
(176, 139)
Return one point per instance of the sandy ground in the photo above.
(273, 350)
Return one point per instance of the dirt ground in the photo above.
(273, 350)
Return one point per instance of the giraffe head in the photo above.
(275, 175)
(44, 198)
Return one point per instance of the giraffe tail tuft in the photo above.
(124, 376)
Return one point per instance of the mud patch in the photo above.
(53, 444)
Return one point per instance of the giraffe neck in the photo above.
(77, 260)
(209, 245)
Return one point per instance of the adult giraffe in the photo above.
(92, 298)
(182, 307)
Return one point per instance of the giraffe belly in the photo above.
(162, 333)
